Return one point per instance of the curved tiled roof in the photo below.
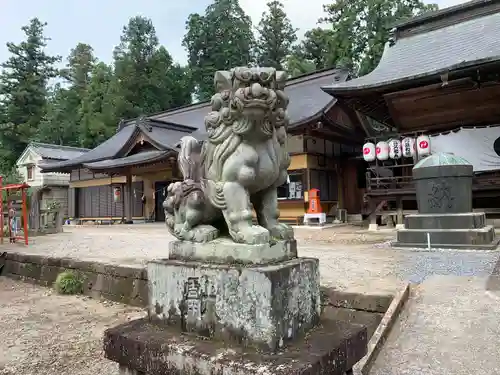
(164, 130)
(57, 152)
(466, 43)
(305, 94)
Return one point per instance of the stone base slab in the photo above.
(262, 306)
(141, 347)
(448, 238)
(226, 251)
(468, 220)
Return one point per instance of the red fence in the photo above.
(11, 221)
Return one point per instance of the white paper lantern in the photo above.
(369, 152)
(395, 149)
(382, 150)
(423, 145)
(408, 147)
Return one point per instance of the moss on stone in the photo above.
(68, 282)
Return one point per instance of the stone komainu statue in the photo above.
(241, 164)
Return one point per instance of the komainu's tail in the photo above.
(189, 158)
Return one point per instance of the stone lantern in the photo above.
(443, 184)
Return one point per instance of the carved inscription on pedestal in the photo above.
(199, 303)
(440, 196)
(193, 299)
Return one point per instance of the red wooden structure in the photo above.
(12, 233)
(314, 202)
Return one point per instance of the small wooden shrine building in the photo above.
(438, 78)
(125, 177)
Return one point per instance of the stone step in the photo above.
(468, 220)
(448, 238)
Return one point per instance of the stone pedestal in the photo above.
(229, 308)
(443, 184)
(143, 348)
(264, 306)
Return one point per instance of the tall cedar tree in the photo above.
(23, 91)
(361, 29)
(98, 109)
(276, 36)
(147, 79)
(61, 124)
(315, 52)
(220, 39)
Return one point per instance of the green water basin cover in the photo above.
(439, 159)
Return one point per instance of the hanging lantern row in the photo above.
(395, 149)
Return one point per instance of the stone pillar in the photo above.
(373, 217)
(399, 214)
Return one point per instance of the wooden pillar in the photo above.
(129, 197)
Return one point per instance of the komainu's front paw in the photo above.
(281, 231)
(252, 235)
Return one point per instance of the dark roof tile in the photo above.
(305, 94)
(57, 152)
(142, 157)
(468, 43)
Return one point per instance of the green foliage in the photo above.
(147, 80)
(98, 118)
(64, 104)
(23, 91)
(297, 65)
(68, 282)
(318, 47)
(360, 29)
(86, 106)
(276, 36)
(218, 40)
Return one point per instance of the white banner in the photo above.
(476, 145)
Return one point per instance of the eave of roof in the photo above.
(127, 161)
(430, 54)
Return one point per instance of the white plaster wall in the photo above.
(39, 178)
(295, 143)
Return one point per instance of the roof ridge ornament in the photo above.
(121, 125)
(393, 36)
(145, 122)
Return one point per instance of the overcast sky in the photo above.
(100, 22)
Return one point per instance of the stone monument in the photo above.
(233, 297)
(445, 218)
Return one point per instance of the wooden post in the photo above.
(25, 215)
(129, 198)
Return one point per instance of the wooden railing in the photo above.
(405, 184)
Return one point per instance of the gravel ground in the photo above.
(350, 258)
(46, 334)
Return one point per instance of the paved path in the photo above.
(451, 325)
